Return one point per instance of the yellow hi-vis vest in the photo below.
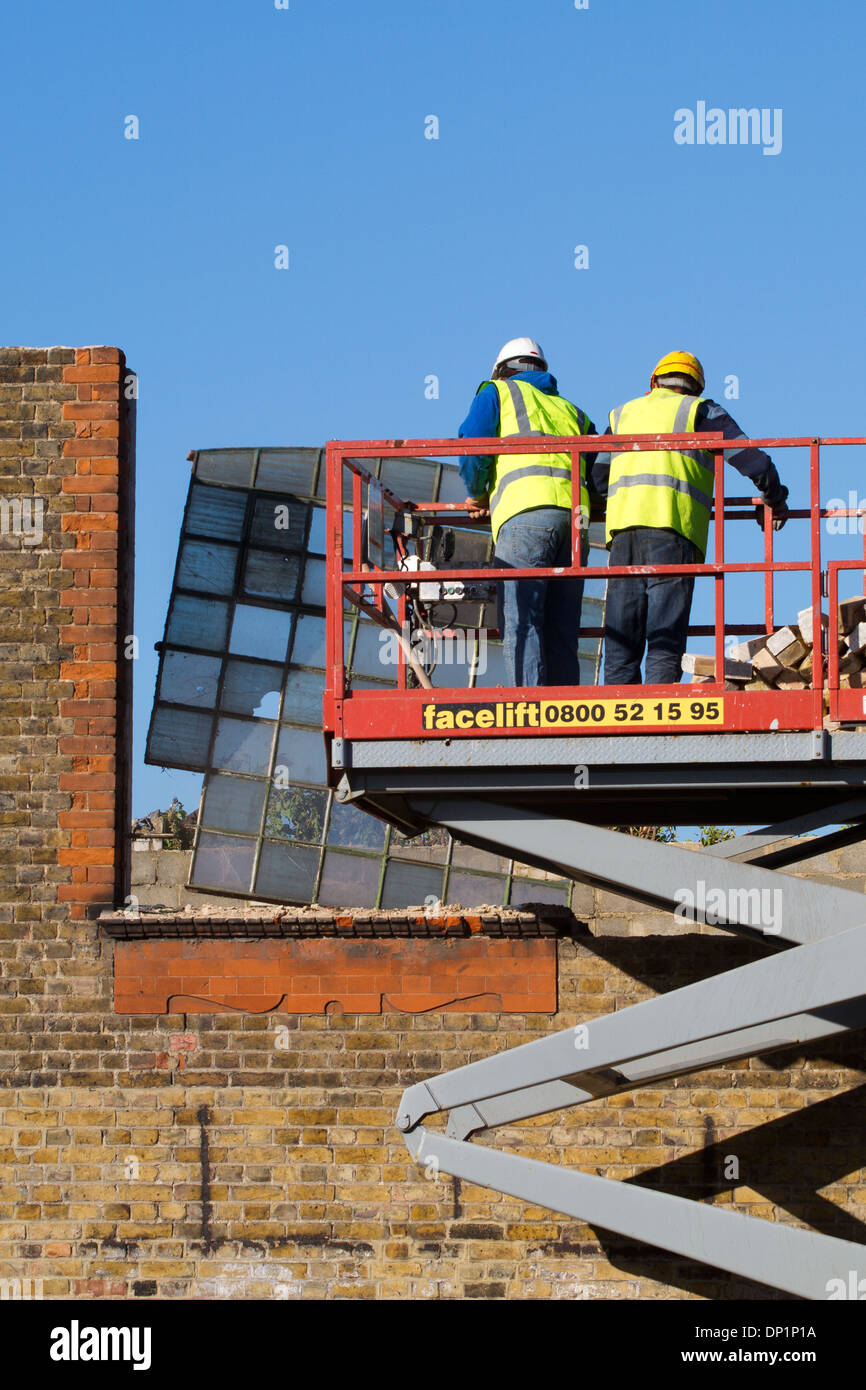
(659, 487)
(522, 481)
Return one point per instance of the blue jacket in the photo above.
(754, 464)
(482, 422)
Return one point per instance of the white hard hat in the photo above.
(519, 347)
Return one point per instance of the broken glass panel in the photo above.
(252, 688)
(189, 679)
(208, 566)
(260, 632)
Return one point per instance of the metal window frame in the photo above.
(312, 498)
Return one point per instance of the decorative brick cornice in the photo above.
(472, 975)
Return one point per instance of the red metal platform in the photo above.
(460, 713)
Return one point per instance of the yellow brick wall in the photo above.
(220, 1157)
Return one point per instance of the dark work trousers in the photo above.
(648, 611)
(542, 617)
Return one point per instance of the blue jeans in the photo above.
(542, 617)
(652, 611)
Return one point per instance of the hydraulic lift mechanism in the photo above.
(422, 756)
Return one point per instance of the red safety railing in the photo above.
(400, 713)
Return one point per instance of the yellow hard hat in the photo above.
(680, 364)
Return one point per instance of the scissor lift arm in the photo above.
(813, 988)
(503, 769)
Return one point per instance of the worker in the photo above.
(658, 513)
(528, 498)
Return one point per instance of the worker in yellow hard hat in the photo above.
(658, 513)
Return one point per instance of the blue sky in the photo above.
(411, 256)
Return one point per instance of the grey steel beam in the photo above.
(800, 1262)
(615, 750)
(812, 991)
(794, 854)
(661, 875)
(809, 980)
(750, 845)
(652, 780)
(660, 1066)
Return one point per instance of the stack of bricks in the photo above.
(251, 1152)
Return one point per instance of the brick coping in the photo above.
(252, 923)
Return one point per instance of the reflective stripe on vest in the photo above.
(669, 489)
(523, 481)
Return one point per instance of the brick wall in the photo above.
(252, 1154)
(65, 456)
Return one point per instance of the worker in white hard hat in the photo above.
(529, 499)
